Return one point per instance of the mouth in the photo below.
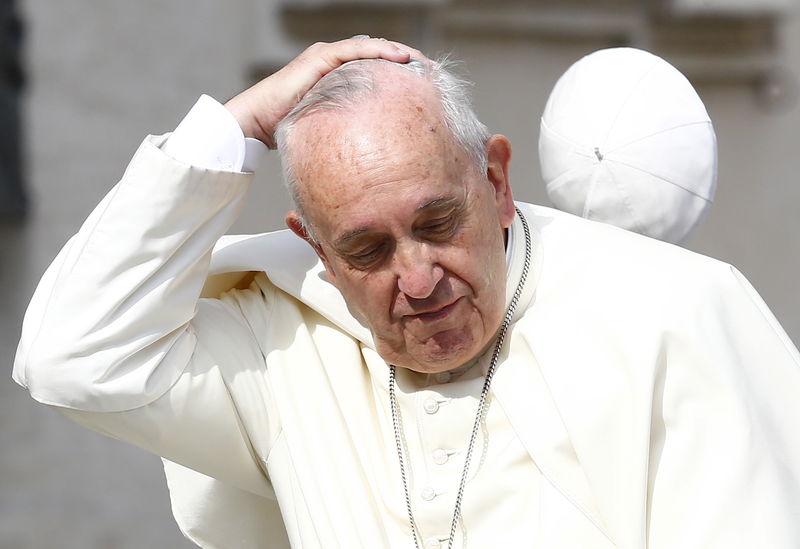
(436, 314)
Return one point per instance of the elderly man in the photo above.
(439, 368)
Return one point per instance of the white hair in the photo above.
(346, 85)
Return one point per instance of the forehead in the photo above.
(386, 157)
(403, 108)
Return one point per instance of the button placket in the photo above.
(436, 542)
(432, 404)
(439, 438)
(441, 455)
(427, 493)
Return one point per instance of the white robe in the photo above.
(651, 386)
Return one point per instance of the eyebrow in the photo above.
(346, 237)
(438, 202)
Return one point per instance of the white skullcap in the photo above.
(626, 140)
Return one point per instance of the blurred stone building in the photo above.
(104, 74)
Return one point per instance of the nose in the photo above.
(417, 271)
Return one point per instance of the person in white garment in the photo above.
(430, 364)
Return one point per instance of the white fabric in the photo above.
(437, 421)
(626, 140)
(650, 386)
(209, 137)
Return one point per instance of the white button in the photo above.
(433, 543)
(428, 493)
(440, 456)
(430, 406)
(442, 377)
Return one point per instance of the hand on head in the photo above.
(259, 108)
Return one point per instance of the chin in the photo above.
(442, 353)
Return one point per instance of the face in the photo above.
(408, 230)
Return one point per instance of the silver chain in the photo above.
(482, 405)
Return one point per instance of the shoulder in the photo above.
(292, 273)
(588, 257)
(279, 254)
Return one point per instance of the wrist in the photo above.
(250, 124)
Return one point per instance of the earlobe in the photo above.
(498, 155)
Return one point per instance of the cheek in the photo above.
(481, 261)
(370, 294)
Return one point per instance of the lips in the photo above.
(435, 313)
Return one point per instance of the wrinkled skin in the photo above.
(407, 229)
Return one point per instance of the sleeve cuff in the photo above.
(209, 137)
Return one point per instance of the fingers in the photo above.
(335, 54)
(262, 106)
(414, 53)
(321, 58)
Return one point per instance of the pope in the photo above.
(430, 364)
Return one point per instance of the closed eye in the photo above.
(439, 228)
(366, 258)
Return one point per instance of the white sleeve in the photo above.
(106, 330)
(209, 137)
(117, 337)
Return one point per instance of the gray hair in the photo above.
(346, 85)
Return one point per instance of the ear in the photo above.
(297, 227)
(498, 155)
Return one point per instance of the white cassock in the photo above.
(646, 396)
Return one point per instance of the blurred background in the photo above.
(84, 81)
